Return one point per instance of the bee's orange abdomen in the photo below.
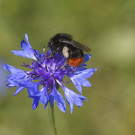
(75, 62)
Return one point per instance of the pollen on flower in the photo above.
(46, 75)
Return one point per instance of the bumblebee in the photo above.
(71, 49)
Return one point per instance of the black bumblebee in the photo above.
(70, 49)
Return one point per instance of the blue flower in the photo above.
(46, 74)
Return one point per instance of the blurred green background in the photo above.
(108, 28)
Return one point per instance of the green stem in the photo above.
(52, 119)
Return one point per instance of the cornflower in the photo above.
(46, 74)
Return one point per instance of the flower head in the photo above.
(46, 74)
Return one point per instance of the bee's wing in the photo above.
(77, 45)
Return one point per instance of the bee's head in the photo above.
(55, 42)
(61, 36)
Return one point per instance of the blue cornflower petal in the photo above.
(38, 95)
(85, 83)
(79, 78)
(51, 100)
(19, 89)
(37, 54)
(86, 58)
(26, 51)
(55, 95)
(44, 98)
(27, 38)
(14, 70)
(35, 102)
(73, 98)
(32, 88)
(12, 83)
(16, 77)
(43, 95)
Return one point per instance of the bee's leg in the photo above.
(66, 63)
